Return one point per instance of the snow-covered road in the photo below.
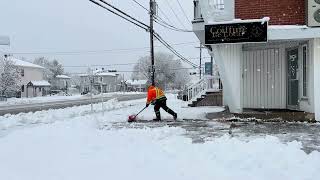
(75, 143)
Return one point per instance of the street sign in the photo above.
(4, 40)
(236, 33)
(207, 68)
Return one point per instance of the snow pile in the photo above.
(78, 150)
(54, 98)
(20, 101)
(110, 111)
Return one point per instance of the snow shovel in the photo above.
(132, 118)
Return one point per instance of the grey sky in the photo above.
(79, 25)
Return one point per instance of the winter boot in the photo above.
(158, 116)
(173, 114)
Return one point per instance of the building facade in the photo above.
(137, 85)
(281, 73)
(61, 83)
(100, 81)
(32, 81)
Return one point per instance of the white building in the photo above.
(282, 73)
(137, 85)
(100, 80)
(33, 83)
(61, 82)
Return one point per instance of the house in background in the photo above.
(32, 82)
(264, 63)
(61, 82)
(100, 81)
(137, 85)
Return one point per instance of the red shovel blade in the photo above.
(131, 118)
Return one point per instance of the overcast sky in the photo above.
(38, 26)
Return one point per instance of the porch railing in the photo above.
(206, 84)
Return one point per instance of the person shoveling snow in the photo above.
(157, 98)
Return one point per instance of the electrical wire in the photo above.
(93, 51)
(168, 26)
(133, 21)
(162, 22)
(175, 69)
(139, 4)
(175, 14)
(185, 14)
(124, 64)
(161, 40)
(155, 34)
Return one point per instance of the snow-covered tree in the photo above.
(169, 73)
(52, 68)
(10, 77)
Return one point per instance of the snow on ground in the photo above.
(54, 98)
(111, 111)
(70, 144)
(20, 101)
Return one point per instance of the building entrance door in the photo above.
(293, 80)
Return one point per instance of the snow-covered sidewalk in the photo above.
(73, 143)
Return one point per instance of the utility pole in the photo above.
(151, 41)
(200, 68)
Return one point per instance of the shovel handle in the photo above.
(141, 111)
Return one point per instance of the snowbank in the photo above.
(71, 144)
(111, 111)
(54, 98)
(76, 149)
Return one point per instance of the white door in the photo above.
(264, 79)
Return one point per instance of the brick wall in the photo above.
(281, 12)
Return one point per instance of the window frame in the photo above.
(305, 71)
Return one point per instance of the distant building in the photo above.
(32, 81)
(137, 85)
(100, 80)
(61, 82)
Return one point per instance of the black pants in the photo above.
(162, 104)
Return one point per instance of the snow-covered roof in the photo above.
(42, 83)
(105, 74)
(263, 20)
(63, 77)
(22, 63)
(288, 32)
(137, 82)
(100, 74)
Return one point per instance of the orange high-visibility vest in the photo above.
(154, 93)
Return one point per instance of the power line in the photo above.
(93, 51)
(185, 14)
(153, 33)
(164, 14)
(141, 5)
(133, 21)
(175, 14)
(122, 12)
(173, 50)
(175, 69)
(165, 24)
(168, 26)
(124, 64)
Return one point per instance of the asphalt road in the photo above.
(25, 108)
